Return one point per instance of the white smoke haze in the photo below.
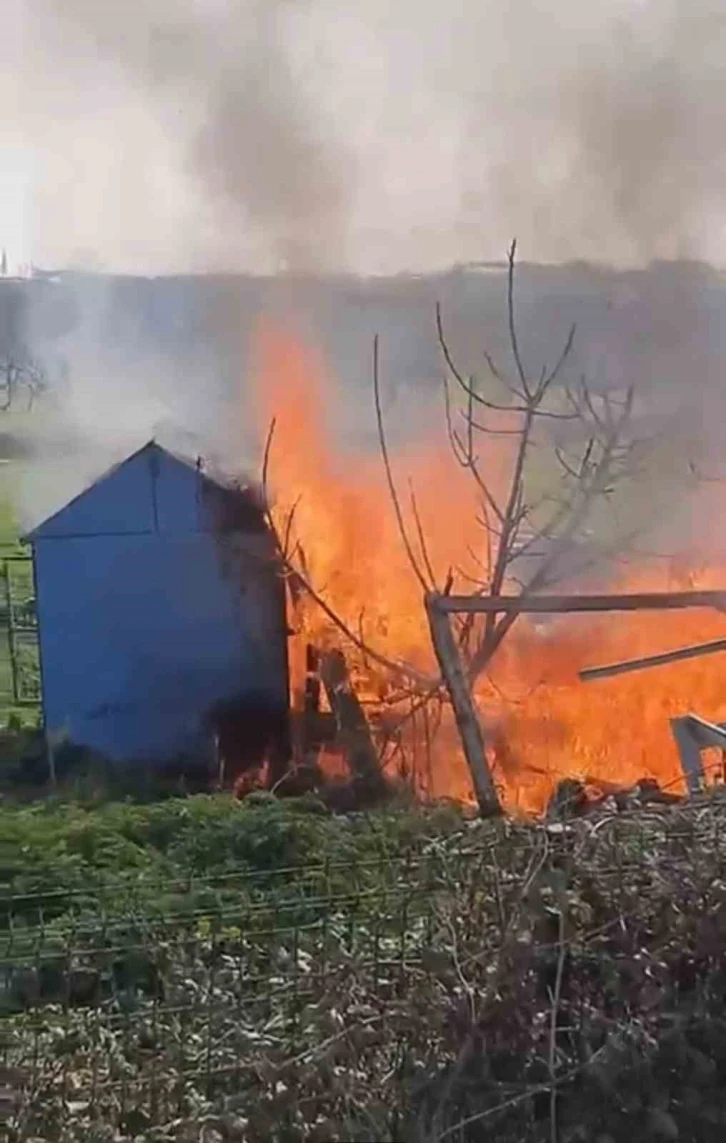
(190, 134)
(110, 405)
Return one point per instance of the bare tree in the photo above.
(531, 530)
(20, 374)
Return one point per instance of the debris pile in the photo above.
(574, 797)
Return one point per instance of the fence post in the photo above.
(467, 722)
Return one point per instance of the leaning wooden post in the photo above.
(353, 728)
(472, 739)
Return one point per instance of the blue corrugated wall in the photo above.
(144, 624)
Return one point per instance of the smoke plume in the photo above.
(208, 134)
(182, 118)
(205, 135)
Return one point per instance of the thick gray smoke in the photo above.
(229, 151)
(177, 134)
(596, 131)
(200, 135)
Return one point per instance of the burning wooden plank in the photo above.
(440, 606)
(354, 731)
(553, 604)
(693, 651)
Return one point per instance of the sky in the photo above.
(254, 135)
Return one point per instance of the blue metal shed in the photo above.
(160, 613)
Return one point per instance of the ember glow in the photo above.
(547, 723)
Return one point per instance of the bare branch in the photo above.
(542, 527)
(298, 578)
(468, 386)
(512, 320)
(389, 475)
(20, 373)
(509, 524)
(566, 351)
(288, 527)
(266, 469)
(421, 536)
(592, 475)
(465, 456)
(397, 668)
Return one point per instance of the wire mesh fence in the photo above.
(134, 1011)
(19, 658)
(484, 986)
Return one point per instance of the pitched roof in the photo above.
(212, 480)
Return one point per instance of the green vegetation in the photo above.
(201, 969)
(55, 849)
(19, 665)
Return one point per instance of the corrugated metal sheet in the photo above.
(148, 618)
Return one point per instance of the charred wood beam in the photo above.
(552, 604)
(354, 731)
(312, 679)
(693, 651)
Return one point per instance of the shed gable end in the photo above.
(154, 491)
(151, 491)
(119, 503)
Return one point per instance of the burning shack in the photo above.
(162, 617)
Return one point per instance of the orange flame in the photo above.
(550, 725)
